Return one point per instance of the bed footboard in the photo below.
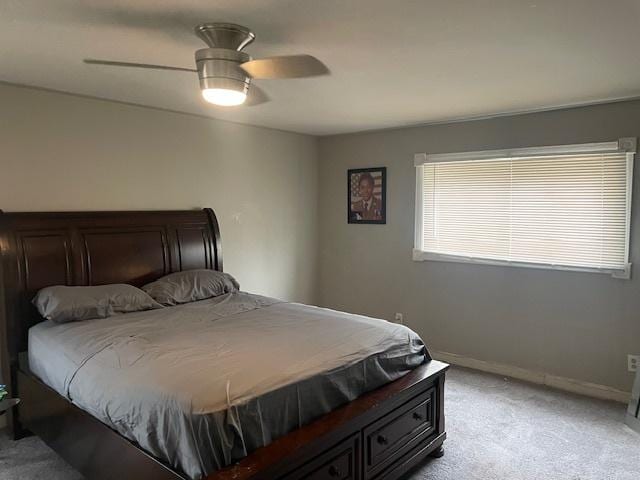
(381, 435)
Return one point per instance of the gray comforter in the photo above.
(203, 384)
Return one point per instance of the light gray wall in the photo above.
(63, 152)
(576, 325)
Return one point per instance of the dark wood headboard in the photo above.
(93, 248)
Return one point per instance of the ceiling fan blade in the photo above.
(289, 66)
(92, 61)
(256, 96)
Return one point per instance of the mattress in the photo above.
(201, 385)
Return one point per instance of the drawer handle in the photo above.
(334, 471)
(382, 440)
(417, 416)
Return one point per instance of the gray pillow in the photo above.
(190, 286)
(71, 304)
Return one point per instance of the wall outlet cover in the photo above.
(399, 318)
(633, 362)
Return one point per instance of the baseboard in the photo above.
(561, 383)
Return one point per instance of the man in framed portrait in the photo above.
(369, 207)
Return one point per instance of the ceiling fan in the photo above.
(226, 72)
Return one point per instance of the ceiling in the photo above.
(392, 63)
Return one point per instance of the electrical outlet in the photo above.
(399, 318)
(634, 362)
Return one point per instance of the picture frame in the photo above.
(367, 195)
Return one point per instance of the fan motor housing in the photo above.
(225, 35)
(220, 68)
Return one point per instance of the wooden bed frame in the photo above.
(380, 435)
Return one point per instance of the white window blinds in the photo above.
(557, 207)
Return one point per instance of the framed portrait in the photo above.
(367, 195)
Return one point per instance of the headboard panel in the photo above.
(94, 248)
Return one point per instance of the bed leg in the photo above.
(437, 453)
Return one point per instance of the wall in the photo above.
(575, 325)
(63, 152)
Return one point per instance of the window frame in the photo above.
(626, 145)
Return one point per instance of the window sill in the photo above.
(422, 256)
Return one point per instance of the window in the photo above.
(565, 207)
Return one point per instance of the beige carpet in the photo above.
(498, 429)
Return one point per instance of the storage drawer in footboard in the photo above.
(393, 435)
(338, 463)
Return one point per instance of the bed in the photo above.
(363, 400)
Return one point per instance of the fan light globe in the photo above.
(224, 97)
